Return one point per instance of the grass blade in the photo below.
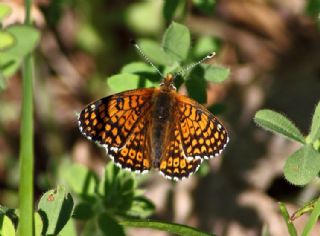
(26, 221)
(291, 229)
(312, 219)
(167, 227)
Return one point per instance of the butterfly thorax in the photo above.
(163, 102)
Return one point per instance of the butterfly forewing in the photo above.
(117, 123)
(203, 136)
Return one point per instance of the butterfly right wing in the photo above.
(203, 135)
(173, 163)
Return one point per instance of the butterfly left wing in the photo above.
(135, 154)
(114, 122)
(202, 135)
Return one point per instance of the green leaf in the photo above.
(176, 41)
(91, 228)
(197, 86)
(312, 219)
(69, 229)
(277, 123)
(169, 9)
(205, 6)
(38, 224)
(6, 226)
(141, 207)
(217, 108)
(154, 52)
(302, 166)
(137, 67)
(126, 81)
(167, 227)
(5, 10)
(109, 226)
(204, 46)
(315, 127)
(83, 211)
(6, 40)
(26, 39)
(143, 70)
(55, 208)
(291, 229)
(215, 73)
(80, 179)
(313, 7)
(144, 17)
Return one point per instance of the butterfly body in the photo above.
(154, 128)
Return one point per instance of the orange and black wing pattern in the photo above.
(173, 163)
(202, 135)
(119, 123)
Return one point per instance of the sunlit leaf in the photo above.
(6, 40)
(26, 39)
(279, 124)
(204, 46)
(154, 52)
(6, 226)
(125, 81)
(55, 208)
(302, 166)
(176, 41)
(80, 179)
(215, 73)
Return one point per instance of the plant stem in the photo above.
(26, 221)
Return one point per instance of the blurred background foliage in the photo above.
(272, 49)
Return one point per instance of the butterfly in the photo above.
(157, 128)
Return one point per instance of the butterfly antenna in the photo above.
(134, 43)
(192, 65)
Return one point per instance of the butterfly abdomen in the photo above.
(161, 117)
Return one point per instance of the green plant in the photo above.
(303, 165)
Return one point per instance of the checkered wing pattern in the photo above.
(174, 164)
(202, 134)
(119, 123)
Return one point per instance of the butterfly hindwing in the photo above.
(174, 164)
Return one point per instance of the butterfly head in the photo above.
(167, 83)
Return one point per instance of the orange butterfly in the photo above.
(154, 128)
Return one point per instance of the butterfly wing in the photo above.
(119, 123)
(174, 164)
(202, 135)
